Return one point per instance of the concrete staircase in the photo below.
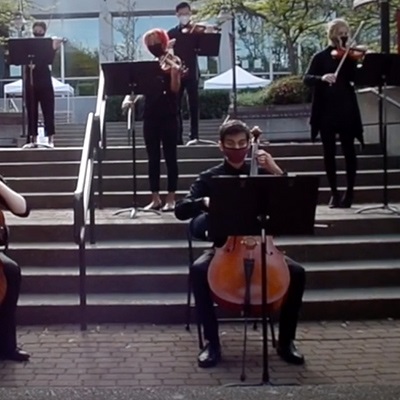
(138, 268)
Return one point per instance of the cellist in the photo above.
(15, 203)
(234, 142)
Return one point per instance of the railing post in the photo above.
(82, 284)
(92, 217)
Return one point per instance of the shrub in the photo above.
(287, 90)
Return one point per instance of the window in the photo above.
(81, 52)
(128, 33)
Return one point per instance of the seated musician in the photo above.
(14, 202)
(235, 144)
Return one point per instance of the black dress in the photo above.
(334, 107)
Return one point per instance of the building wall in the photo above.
(105, 10)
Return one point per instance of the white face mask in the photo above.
(184, 19)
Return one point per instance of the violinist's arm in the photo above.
(175, 80)
(313, 75)
(195, 202)
(13, 201)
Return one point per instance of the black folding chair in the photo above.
(190, 239)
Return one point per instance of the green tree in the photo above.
(287, 19)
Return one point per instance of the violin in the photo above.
(193, 27)
(356, 53)
(159, 44)
(4, 240)
(235, 272)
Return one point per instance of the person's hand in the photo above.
(329, 78)
(206, 201)
(126, 103)
(57, 43)
(266, 162)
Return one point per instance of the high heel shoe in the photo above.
(334, 202)
(347, 200)
(168, 207)
(153, 206)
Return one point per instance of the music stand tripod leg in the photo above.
(134, 209)
(200, 141)
(383, 130)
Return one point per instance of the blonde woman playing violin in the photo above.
(335, 109)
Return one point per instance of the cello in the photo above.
(235, 272)
(3, 240)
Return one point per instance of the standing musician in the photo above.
(335, 108)
(11, 274)
(191, 81)
(160, 119)
(234, 144)
(40, 90)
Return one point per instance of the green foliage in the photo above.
(251, 98)
(287, 90)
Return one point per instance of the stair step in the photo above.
(164, 279)
(340, 304)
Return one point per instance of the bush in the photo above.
(287, 90)
(251, 98)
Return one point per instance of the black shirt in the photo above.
(192, 205)
(160, 101)
(184, 48)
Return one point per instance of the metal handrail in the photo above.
(84, 203)
(93, 151)
(376, 93)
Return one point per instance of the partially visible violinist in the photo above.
(191, 81)
(160, 121)
(15, 203)
(335, 109)
(234, 143)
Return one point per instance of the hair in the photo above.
(40, 24)
(184, 4)
(333, 27)
(233, 127)
(161, 33)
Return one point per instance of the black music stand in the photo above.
(260, 206)
(138, 77)
(27, 52)
(203, 44)
(380, 69)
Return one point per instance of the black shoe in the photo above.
(209, 356)
(334, 202)
(347, 200)
(16, 355)
(290, 354)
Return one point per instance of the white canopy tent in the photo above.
(244, 80)
(60, 90)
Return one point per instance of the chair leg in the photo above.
(271, 324)
(188, 301)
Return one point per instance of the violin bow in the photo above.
(353, 41)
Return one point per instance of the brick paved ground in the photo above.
(131, 355)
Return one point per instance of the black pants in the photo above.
(191, 85)
(8, 329)
(157, 131)
(328, 138)
(42, 93)
(205, 306)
